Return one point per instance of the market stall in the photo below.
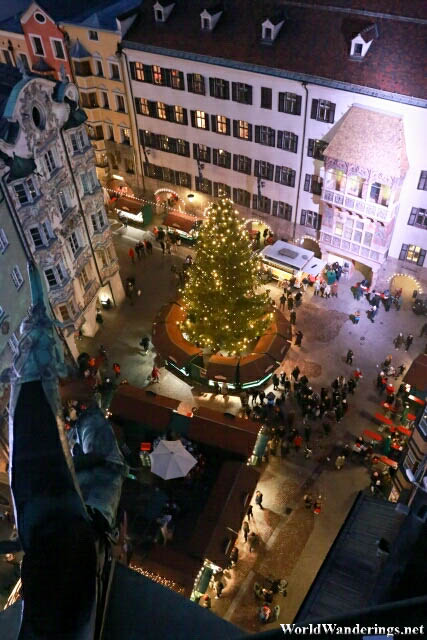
(184, 225)
(285, 260)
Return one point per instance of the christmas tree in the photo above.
(224, 311)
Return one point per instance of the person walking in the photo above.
(254, 397)
(149, 247)
(276, 381)
(316, 288)
(163, 246)
(137, 251)
(219, 588)
(258, 499)
(246, 530)
(282, 302)
(322, 289)
(328, 291)
(298, 338)
(399, 340)
(141, 249)
(297, 442)
(372, 313)
(293, 317)
(145, 343)
(253, 542)
(349, 358)
(131, 254)
(408, 341)
(261, 396)
(295, 373)
(334, 290)
(290, 303)
(250, 512)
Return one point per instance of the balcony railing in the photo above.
(353, 203)
(110, 269)
(90, 292)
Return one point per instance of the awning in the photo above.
(255, 366)
(222, 431)
(222, 368)
(273, 344)
(416, 375)
(180, 221)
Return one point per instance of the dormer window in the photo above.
(210, 17)
(162, 10)
(271, 27)
(362, 40)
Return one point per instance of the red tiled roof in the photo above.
(311, 41)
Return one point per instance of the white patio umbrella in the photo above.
(170, 459)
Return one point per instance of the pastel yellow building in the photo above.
(93, 43)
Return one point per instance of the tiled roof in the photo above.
(310, 42)
(370, 139)
(78, 51)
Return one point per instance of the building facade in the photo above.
(94, 48)
(57, 199)
(240, 103)
(83, 43)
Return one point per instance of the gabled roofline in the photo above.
(278, 73)
(30, 10)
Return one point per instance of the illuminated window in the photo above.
(379, 193)
(201, 120)
(157, 75)
(138, 71)
(243, 129)
(411, 253)
(142, 107)
(339, 228)
(179, 114)
(161, 110)
(221, 124)
(355, 186)
(177, 79)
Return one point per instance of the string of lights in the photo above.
(155, 577)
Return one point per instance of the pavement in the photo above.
(293, 540)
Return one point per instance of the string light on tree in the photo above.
(224, 310)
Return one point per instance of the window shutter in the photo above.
(234, 91)
(227, 91)
(166, 77)
(213, 120)
(270, 170)
(302, 220)
(250, 132)
(181, 80)
(235, 161)
(152, 109)
(298, 106)
(227, 126)
(281, 105)
(332, 113)
(413, 215)
(314, 106)
(421, 258)
(138, 105)
(187, 148)
(292, 180)
(295, 144)
(195, 151)
(272, 137)
(235, 130)
(249, 167)
(256, 170)
(403, 252)
(132, 70)
(215, 156)
(185, 116)
(277, 176)
(254, 202)
(310, 149)
(280, 139)
(307, 182)
(274, 207)
(249, 94)
(319, 221)
(193, 118)
(148, 73)
(141, 137)
(170, 113)
(257, 133)
(212, 87)
(235, 194)
(190, 86)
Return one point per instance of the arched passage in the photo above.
(407, 283)
(312, 245)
